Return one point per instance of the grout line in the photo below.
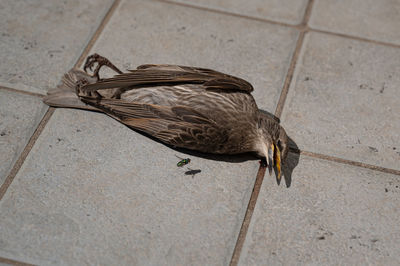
(343, 35)
(296, 54)
(301, 27)
(25, 152)
(307, 13)
(247, 218)
(228, 13)
(9, 179)
(22, 91)
(97, 33)
(289, 76)
(261, 171)
(14, 262)
(345, 161)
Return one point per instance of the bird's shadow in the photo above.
(287, 166)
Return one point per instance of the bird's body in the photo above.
(187, 107)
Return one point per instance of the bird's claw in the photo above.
(91, 60)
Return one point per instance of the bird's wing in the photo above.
(180, 125)
(157, 75)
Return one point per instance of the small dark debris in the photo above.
(354, 237)
(182, 28)
(350, 63)
(3, 133)
(351, 247)
(397, 186)
(321, 238)
(365, 86)
(394, 148)
(383, 88)
(307, 78)
(78, 130)
(374, 240)
(230, 40)
(373, 149)
(213, 36)
(390, 76)
(386, 190)
(59, 139)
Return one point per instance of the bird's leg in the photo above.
(101, 61)
(82, 82)
(117, 93)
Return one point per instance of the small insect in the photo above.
(182, 162)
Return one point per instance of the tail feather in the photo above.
(64, 94)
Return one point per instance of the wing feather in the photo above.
(157, 75)
(180, 125)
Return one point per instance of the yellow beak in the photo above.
(277, 157)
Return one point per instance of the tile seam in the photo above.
(228, 13)
(17, 165)
(247, 218)
(10, 177)
(97, 33)
(22, 91)
(14, 262)
(261, 171)
(294, 60)
(290, 74)
(299, 27)
(346, 161)
(354, 37)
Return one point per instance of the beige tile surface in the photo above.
(40, 40)
(286, 11)
(375, 20)
(344, 100)
(92, 191)
(333, 214)
(19, 116)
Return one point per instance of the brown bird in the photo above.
(188, 107)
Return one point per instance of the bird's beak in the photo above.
(277, 156)
(270, 158)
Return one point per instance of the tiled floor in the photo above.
(78, 188)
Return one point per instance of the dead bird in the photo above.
(188, 107)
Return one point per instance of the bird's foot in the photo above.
(91, 60)
(80, 93)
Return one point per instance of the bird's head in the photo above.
(273, 142)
